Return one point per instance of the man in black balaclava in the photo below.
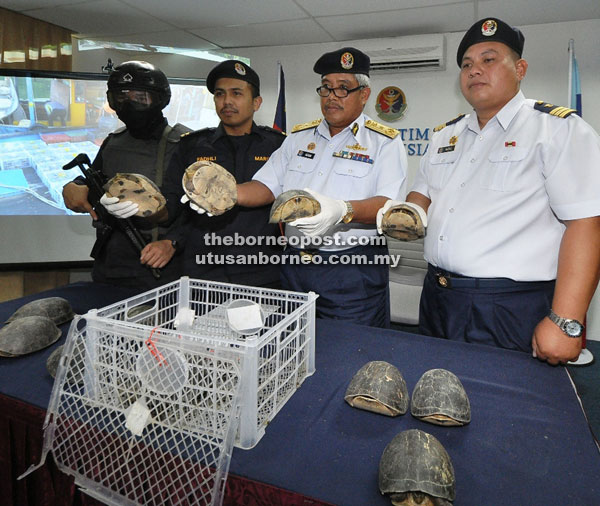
(138, 92)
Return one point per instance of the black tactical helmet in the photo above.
(139, 75)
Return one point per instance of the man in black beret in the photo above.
(511, 195)
(241, 147)
(351, 165)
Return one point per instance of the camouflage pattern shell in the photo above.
(402, 222)
(139, 189)
(210, 186)
(294, 204)
(416, 462)
(26, 335)
(56, 308)
(378, 387)
(440, 398)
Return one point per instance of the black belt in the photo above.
(447, 279)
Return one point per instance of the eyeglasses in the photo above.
(341, 92)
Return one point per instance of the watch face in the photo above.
(573, 329)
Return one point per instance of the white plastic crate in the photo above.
(276, 360)
(142, 420)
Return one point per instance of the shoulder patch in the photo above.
(306, 126)
(451, 122)
(554, 110)
(197, 132)
(382, 129)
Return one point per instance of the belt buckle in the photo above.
(306, 254)
(443, 280)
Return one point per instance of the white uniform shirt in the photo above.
(497, 194)
(313, 159)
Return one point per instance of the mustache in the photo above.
(228, 109)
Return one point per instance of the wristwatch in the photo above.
(349, 212)
(175, 244)
(572, 328)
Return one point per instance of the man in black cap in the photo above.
(351, 165)
(511, 195)
(241, 147)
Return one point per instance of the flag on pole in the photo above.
(574, 83)
(279, 122)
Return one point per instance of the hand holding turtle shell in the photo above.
(552, 345)
(185, 199)
(119, 208)
(406, 221)
(332, 212)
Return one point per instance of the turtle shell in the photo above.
(53, 360)
(210, 186)
(378, 387)
(294, 204)
(56, 308)
(415, 463)
(440, 398)
(27, 334)
(402, 222)
(139, 189)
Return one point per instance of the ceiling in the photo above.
(220, 24)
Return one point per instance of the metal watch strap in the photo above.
(563, 322)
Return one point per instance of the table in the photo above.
(528, 441)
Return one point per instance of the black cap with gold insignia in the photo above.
(491, 30)
(347, 60)
(234, 69)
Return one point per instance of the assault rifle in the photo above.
(95, 181)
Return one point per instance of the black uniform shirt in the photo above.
(242, 156)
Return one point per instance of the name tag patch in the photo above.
(306, 154)
(206, 158)
(446, 149)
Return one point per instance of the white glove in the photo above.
(194, 207)
(332, 212)
(393, 203)
(119, 209)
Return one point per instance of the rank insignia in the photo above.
(453, 140)
(311, 146)
(511, 144)
(446, 149)
(354, 128)
(306, 154)
(357, 147)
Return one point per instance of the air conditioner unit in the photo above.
(402, 54)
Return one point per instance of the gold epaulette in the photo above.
(382, 129)
(196, 132)
(306, 126)
(451, 122)
(554, 110)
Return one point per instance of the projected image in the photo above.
(45, 121)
